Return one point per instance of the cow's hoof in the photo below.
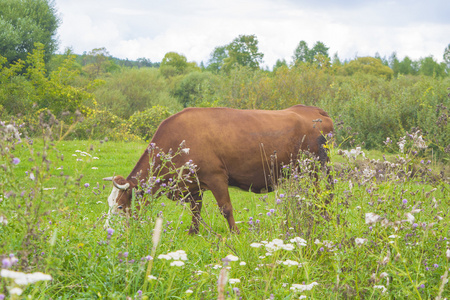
(193, 231)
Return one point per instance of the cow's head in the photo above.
(121, 196)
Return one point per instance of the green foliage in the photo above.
(366, 65)
(302, 54)
(97, 62)
(429, 67)
(144, 123)
(217, 58)
(174, 64)
(98, 124)
(132, 90)
(195, 89)
(41, 91)
(24, 23)
(243, 51)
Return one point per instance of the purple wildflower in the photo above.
(405, 201)
(110, 231)
(86, 185)
(6, 263)
(16, 161)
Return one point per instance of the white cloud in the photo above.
(134, 28)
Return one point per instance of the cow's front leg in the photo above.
(196, 208)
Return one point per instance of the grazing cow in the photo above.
(230, 147)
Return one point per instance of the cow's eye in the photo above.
(120, 207)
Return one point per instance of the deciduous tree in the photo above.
(24, 23)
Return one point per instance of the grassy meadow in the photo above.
(384, 235)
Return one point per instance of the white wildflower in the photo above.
(302, 297)
(178, 255)
(299, 241)
(393, 236)
(185, 150)
(231, 257)
(234, 280)
(303, 287)
(448, 253)
(415, 211)
(410, 218)
(151, 277)
(289, 262)
(16, 291)
(242, 263)
(177, 263)
(164, 256)
(189, 291)
(401, 144)
(3, 220)
(94, 168)
(381, 287)
(360, 241)
(256, 245)
(372, 218)
(23, 278)
(215, 267)
(287, 247)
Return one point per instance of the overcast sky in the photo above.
(148, 28)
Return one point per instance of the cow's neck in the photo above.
(140, 171)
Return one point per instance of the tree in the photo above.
(407, 67)
(301, 53)
(429, 67)
(243, 51)
(96, 62)
(279, 63)
(24, 23)
(318, 48)
(447, 58)
(176, 64)
(217, 58)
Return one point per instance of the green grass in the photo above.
(60, 232)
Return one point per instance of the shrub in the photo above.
(144, 124)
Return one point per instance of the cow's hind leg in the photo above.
(196, 208)
(219, 188)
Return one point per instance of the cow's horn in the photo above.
(108, 178)
(121, 186)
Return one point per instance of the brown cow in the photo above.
(230, 148)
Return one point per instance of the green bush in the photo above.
(144, 123)
(133, 90)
